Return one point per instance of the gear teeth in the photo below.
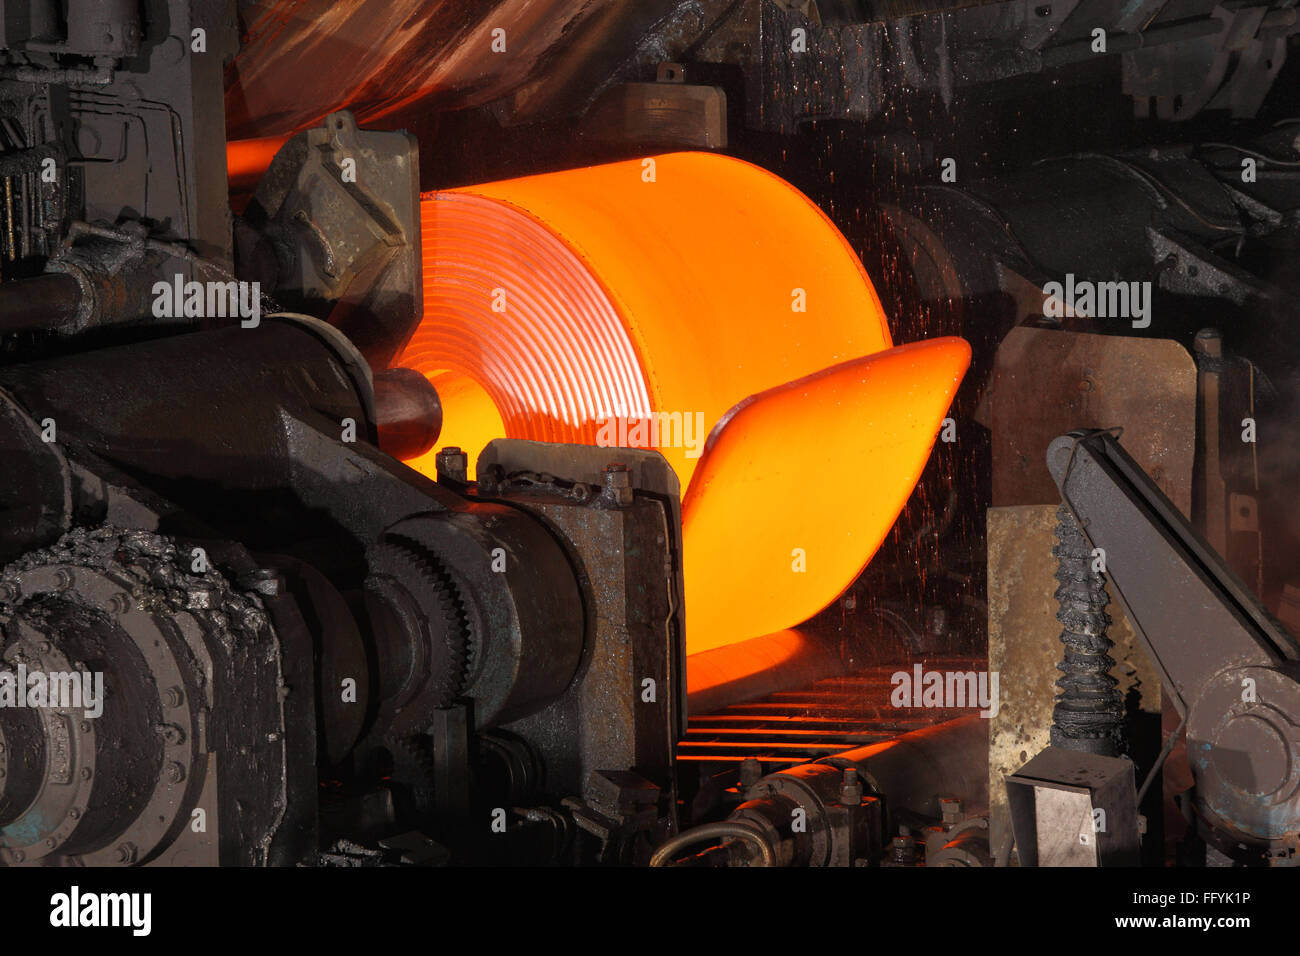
(410, 562)
(413, 767)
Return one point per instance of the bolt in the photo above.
(85, 773)
(904, 850)
(851, 788)
(126, 853)
(173, 696)
(950, 807)
(490, 479)
(19, 856)
(84, 726)
(63, 579)
(74, 814)
(751, 771)
(171, 733)
(452, 464)
(618, 484)
(50, 843)
(1208, 342)
(119, 603)
(175, 772)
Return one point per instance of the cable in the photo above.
(1160, 760)
(725, 828)
(1262, 157)
(1163, 189)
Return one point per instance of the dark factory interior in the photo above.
(673, 433)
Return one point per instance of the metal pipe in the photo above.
(408, 413)
(44, 301)
(911, 772)
(908, 773)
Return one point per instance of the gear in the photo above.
(414, 603)
(413, 770)
(91, 782)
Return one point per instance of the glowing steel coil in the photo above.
(801, 485)
(638, 304)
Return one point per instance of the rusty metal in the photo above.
(1072, 808)
(333, 230)
(1048, 381)
(1226, 663)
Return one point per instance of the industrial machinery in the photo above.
(511, 433)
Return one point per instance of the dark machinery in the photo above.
(238, 651)
(1229, 666)
(289, 648)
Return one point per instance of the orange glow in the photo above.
(624, 298)
(475, 416)
(247, 159)
(708, 672)
(589, 305)
(800, 486)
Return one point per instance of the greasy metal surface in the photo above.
(627, 553)
(1046, 382)
(1089, 713)
(151, 143)
(910, 774)
(668, 112)
(506, 585)
(913, 772)
(194, 673)
(408, 414)
(334, 231)
(36, 495)
(651, 474)
(1024, 649)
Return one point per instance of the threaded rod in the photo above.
(1089, 713)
